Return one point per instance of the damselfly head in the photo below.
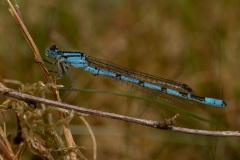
(52, 52)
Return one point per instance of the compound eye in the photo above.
(54, 48)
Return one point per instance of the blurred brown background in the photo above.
(195, 42)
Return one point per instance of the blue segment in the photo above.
(173, 92)
(214, 102)
(78, 65)
(74, 60)
(92, 70)
(107, 73)
(125, 78)
(105, 68)
(152, 86)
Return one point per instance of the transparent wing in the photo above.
(109, 66)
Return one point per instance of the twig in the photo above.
(207, 133)
(165, 124)
(34, 100)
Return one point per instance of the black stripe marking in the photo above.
(141, 83)
(118, 76)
